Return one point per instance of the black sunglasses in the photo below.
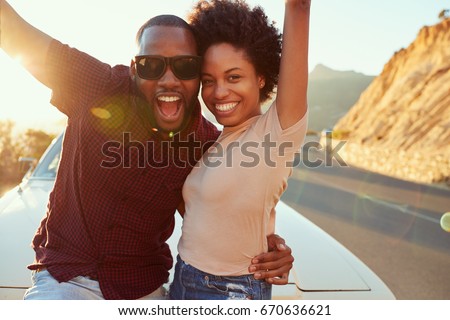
(152, 67)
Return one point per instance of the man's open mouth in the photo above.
(169, 106)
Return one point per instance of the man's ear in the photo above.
(132, 69)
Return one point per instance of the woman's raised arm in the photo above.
(293, 78)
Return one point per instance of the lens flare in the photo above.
(387, 206)
(109, 114)
(101, 113)
(445, 221)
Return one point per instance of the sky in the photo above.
(359, 35)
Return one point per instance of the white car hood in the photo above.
(315, 251)
(20, 213)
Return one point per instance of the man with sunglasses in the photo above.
(132, 137)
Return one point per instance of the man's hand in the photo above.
(273, 266)
(20, 39)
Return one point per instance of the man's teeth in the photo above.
(226, 107)
(168, 99)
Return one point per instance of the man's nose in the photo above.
(169, 79)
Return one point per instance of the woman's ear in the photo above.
(262, 82)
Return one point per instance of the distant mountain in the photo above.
(332, 93)
(321, 72)
(400, 126)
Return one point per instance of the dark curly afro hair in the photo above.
(234, 22)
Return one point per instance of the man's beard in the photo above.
(147, 111)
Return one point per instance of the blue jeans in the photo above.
(45, 287)
(192, 284)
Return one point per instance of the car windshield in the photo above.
(48, 165)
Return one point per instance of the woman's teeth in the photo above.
(226, 106)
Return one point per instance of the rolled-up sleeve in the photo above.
(75, 78)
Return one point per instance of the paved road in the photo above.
(392, 225)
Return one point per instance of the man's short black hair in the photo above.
(165, 20)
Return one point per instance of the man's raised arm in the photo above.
(20, 39)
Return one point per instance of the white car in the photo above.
(323, 268)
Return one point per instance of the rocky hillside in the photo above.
(400, 126)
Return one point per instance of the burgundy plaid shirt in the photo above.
(112, 206)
